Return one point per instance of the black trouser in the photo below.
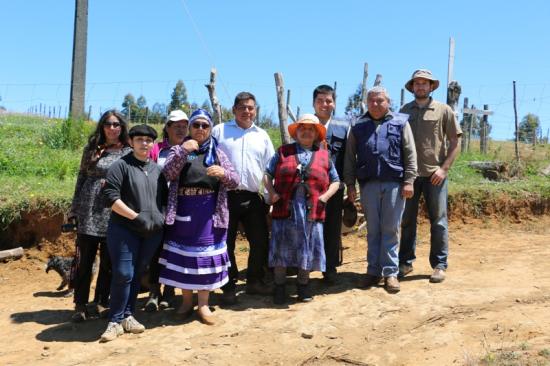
(332, 230)
(250, 209)
(87, 246)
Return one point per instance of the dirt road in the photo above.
(495, 305)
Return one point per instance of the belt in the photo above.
(242, 191)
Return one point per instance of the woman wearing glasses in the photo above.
(195, 253)
(108, 143)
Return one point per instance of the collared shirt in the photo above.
(249, 151)
(431, 126)
(407, 148)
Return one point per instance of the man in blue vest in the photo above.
(381, 155)
(324, 100)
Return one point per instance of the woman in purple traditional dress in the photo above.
(194, 255)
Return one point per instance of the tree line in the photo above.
(137, 111)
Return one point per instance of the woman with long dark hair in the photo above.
(108, 143)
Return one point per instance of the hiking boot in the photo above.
(113, 331)
(404, 269)
(80, 314)
(258, 288)
(152, 303)
(368, 280)
(437, 276)
(391, 284)
(279, 295)
(131, 325)
(304, 293)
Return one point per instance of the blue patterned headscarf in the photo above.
(209, 146)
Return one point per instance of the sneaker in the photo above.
(391, 284)
(113, 331)
(131, 325)
(152, 303)
(437, 276)
(368, 280)
(80, 314)
(304, 294)
(404, 269)
(279, 295)
(258, 288)
(167, 297)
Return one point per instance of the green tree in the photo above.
(529, 128)
(353, 107)
(179, 97)
(129, 106)
(141, 111)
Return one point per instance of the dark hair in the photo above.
(243, 96)
(324, 89)
(97, 138)
(143, 130)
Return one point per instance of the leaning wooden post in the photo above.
(289, 108)
(402, 97)
(364, 88)
(470, 127)
(378, 80)
(484, 129)
(334, 88)
(216, 108)
(283, 116)
(465, 136)
(516, 120)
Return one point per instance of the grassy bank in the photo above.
(39, 162)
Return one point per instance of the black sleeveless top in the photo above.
(193, 173)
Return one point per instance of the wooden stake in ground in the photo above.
(289, 108)
(283, 116)
(214, 102)
(465, 132)
(78, 72)
(378, 80)
(364, 88)
(482, 126)
(516, 120)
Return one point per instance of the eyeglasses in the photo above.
(204, 126)
(242, 108)
(111, 124)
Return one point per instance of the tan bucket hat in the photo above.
(309, 119)
(424, 74)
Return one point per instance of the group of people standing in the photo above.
(175, 206)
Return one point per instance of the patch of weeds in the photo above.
(544, 353)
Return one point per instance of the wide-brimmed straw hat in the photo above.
(424, 74)
(308, 119)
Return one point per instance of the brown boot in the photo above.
(392, 285)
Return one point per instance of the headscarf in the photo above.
(209, 145)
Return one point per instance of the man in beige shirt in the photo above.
(437, 139)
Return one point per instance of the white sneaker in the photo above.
(131, 325)
(112, 332)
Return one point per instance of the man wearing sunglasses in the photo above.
(249, 149)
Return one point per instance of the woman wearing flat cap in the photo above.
(300, 178)
(136, 191)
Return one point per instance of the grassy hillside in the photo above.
(39, 162)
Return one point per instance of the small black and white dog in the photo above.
(61, 265)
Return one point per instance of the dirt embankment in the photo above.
(43, 225)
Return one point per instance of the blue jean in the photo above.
(436, 203)
(130, 254)
(383, 204)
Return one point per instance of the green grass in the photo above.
(40, 157)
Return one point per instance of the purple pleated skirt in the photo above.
(194, 255)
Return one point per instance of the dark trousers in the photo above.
(130, 254)
(87, 246)
(250, 209)
(332, 230)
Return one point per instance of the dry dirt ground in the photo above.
(494, 308)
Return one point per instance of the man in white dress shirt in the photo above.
(249, 149)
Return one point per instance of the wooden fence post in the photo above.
(465, 136)
(216, 108)
(364, 88)
(378, 80)
(283, 116)
(516, 121)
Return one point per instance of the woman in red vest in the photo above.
(300, 178)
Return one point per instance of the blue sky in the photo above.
(144, 47)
